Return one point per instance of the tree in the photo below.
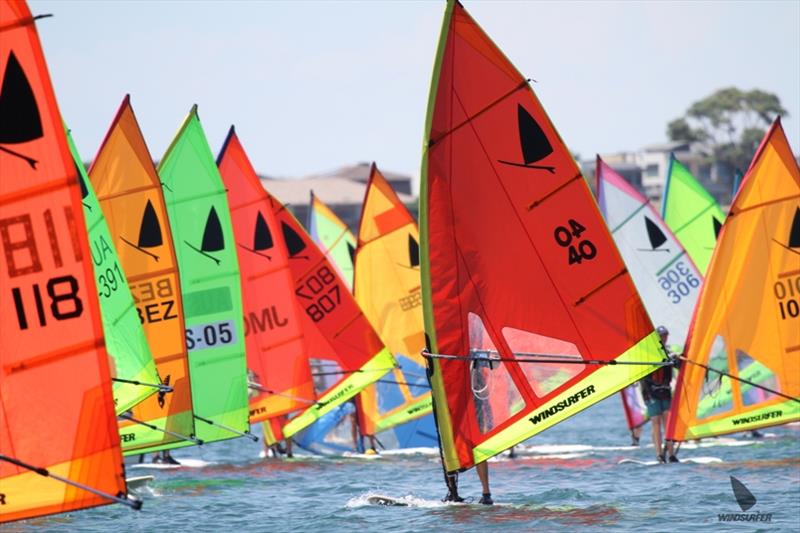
(730, 122)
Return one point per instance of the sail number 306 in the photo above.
(323, 291)
(678, 282)
(569, 237)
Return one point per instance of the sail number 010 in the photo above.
(788, 293)
(581, 249)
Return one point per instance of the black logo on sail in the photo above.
(213, 240)
(351, 250)
(294, 243)
(19, 115)
(793, 243)
(413, 251)
(262, 238)
(717, 226)
(794, 233)
(82, 183)
(149, 232)
(534, 142)
(655, 236)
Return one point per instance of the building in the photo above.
(342, 190)
(647, 169)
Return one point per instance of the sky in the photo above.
(312, 86)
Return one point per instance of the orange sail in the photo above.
(276, 351)
(129, 191)
(56, 406)
(529, 311)
(742, 368)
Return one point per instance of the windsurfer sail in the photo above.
(664, 274)
(276, 349)
(741, 369)
(210, 284)
(530, 313)
(693, 215)
(339, 338)
(130, 195)
(59, 446)
(335, 330)
(387, 287)
(133, 370)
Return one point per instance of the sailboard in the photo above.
(693, 215)
(281, 378)
(129, 191)
(59, 446)
(741, 370)
(526, 299)
(333, 237)
(205, 248)
(664, 274)
(387, 288)
(340, 341)
(133, 370)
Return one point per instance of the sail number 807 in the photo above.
(321, 288)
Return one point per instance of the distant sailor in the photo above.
(657, 396)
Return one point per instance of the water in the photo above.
(568, 478)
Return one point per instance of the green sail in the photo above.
(333, 237)
(126, 343)
(693, 215)
(210, 284)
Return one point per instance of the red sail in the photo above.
(56, 406)
(276, 351)
(340, 341)
(517, 262)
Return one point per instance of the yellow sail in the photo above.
(747, 323)
(387, 287)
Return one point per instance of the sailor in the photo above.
(481, 379)
(657, 394)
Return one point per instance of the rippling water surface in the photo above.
(567, 478)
